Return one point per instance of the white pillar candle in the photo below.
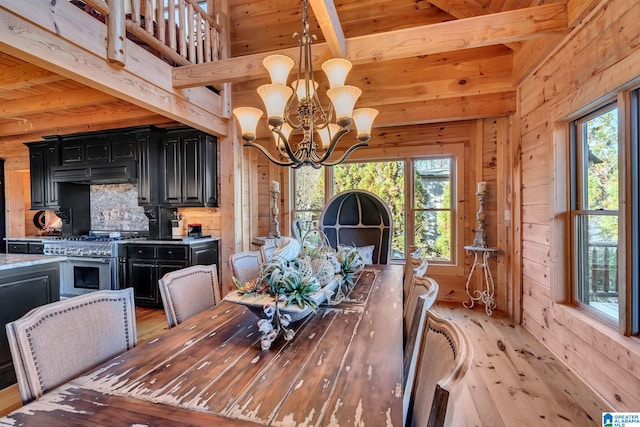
(275, 186)
(482, 186)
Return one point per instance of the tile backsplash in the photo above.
(115, 207)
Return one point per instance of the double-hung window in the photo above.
(433, 208)
(595, 211)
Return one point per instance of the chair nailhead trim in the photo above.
(65, 310)
(447, 337)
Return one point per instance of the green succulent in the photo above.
(351, 263)
(273, 273)
(299, 291)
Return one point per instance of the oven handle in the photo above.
(89, 259)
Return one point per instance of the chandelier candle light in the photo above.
(311, 118)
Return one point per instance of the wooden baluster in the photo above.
(199, 39)
(135, 10)
(160, 22)
(148, 16)
(172, 24)
(207, 42)
(182, 49)
(192, 33)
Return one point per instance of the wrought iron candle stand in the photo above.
(481, 254)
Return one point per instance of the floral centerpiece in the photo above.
(295, 281)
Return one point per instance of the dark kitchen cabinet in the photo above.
(148, 262)
(148, 152)
(105, 157)
(42, 157)
(22, 289)
(102, 147)
(189, 169)
(24, 247)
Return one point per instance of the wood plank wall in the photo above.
(483, 160)
(605, 56)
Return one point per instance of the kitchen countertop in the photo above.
(9, 261)
(29, 238)
(176, 241)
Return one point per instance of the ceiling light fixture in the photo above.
(310, 118)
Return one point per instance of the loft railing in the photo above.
(603, 268)
(179, 30)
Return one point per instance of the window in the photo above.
(595, 205)
(309, 196)
(632, 165)
(384, 179)
(429, 219)
(433, 208)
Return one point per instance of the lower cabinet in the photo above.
(24, 247)
(148, 262)
(22, 289)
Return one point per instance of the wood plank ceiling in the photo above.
(452, 83)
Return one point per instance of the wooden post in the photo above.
(116, 33)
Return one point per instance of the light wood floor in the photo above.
(514, 380)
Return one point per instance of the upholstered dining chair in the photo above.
(268, 249)
(56, 342)
(415, 251)
(188, 291)
(413, 266)
(246, 265)
(443, 355)
(421, 286)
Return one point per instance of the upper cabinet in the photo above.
(42, 157)
(172, 167)
(189, 169)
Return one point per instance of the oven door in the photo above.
(83, 275)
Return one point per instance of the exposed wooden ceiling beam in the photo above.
(66, 129)
(486, 30)
(327, 17)
(106, 114)
(444, 110)
(444, 75)
(53, 102)
(26, 75)
(435, 111)
(83, 58)
(462, 9)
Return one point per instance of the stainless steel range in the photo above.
(92, 261)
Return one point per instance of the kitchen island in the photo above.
(26, 281)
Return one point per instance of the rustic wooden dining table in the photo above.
(343, 367)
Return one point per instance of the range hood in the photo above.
(110, 173)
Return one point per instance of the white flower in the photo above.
(269, 310)
(265, 343)
(265, 326)
(288, 334)
(285, 319)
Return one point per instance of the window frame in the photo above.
(453, 150)
(451, 209)
(579, 209)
